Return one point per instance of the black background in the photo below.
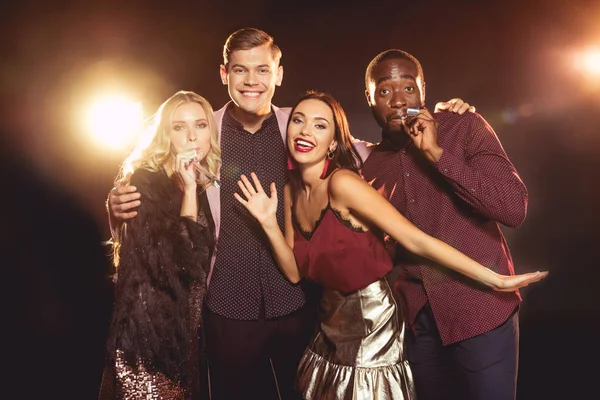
(511, 59)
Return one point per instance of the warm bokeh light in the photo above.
(592, 62)
(113, 120)
(588, 61)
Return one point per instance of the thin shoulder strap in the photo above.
(329, 187)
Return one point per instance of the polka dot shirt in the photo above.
(460, 200)
(246, 283)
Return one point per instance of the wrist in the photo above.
(269, 224)
(434, 154)
(492, 279)
(190, 189)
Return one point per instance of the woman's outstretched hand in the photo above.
(261, 206)
(510, 283)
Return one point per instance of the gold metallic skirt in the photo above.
(358, 352)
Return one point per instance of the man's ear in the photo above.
(368, 96)
(223, 73)
(279, 75)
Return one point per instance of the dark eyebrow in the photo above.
(258, 66)
(319, 118)
(383, 79)
(388, 77)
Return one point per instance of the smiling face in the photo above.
(311, 132)
(251, 77)
(190, 130)
(394, 85)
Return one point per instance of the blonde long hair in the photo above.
(152, 156)
(154, 149)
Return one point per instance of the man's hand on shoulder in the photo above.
(122, 200)
(455, 105)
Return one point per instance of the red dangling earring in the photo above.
(330, 155)
(290, 164)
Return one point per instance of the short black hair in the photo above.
(390, 55)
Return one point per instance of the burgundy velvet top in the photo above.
(338, 255)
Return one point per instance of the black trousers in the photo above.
(480, 368)
(256, 359)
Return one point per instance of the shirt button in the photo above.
(403, 151)
(411, 201)
(445, 170)
(407, 174)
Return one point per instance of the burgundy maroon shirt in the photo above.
(460, 200)
(246, 283)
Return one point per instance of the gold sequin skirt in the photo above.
(358, 352)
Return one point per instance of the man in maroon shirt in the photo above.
(449, 175)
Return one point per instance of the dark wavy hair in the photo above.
(345, 155)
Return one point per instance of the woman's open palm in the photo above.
(261, 206)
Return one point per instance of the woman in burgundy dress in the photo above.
(333, 236)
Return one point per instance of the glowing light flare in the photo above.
(512, 115)
(588, 61)
(592, 62)
(114, 120)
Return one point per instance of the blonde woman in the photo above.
(163, 256)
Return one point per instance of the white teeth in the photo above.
(304, 143)
(251, 94)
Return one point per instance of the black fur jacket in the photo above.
(163, 257)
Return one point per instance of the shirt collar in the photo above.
(395, 144)
(231, 122)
